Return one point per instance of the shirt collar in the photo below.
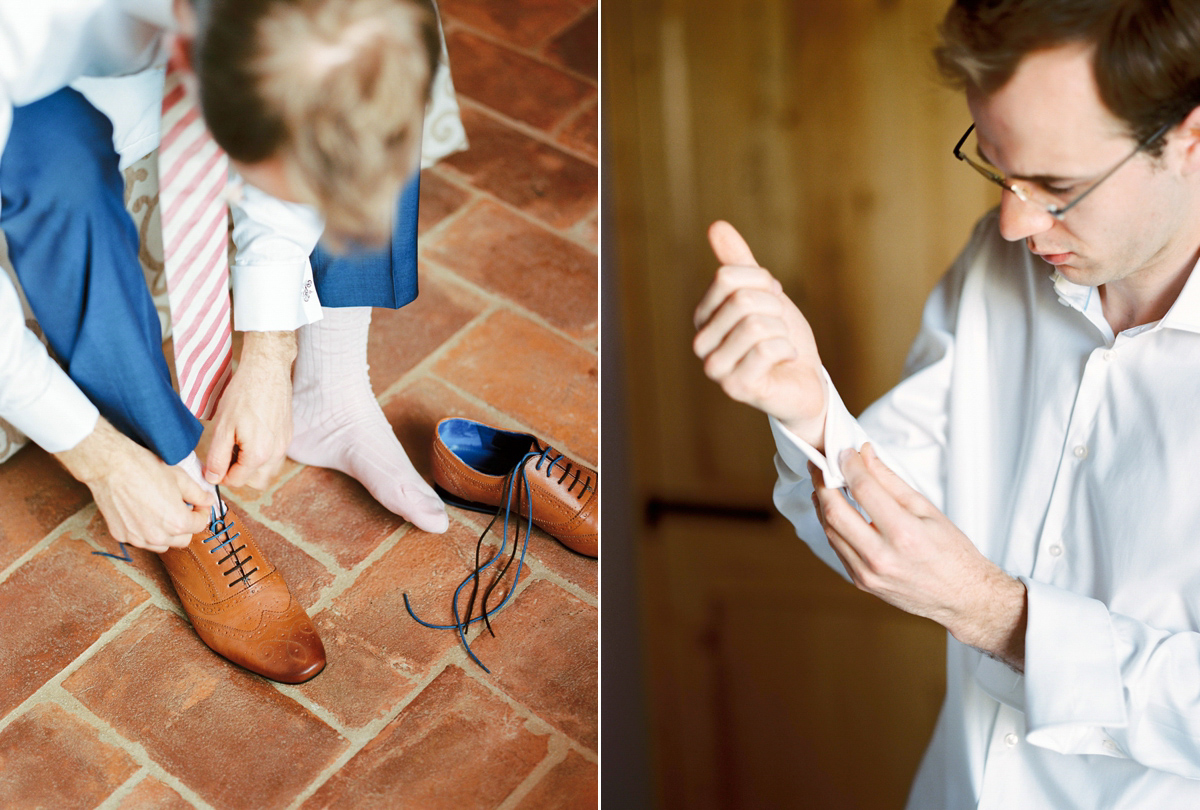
(1184, 314)
(159, 13)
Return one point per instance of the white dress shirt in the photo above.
(1070, 457)
(113, 51)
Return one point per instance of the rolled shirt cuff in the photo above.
(58, 417)
(841, 431)
(1073, 687)
(274, 297)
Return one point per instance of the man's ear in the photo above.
(1188, 133)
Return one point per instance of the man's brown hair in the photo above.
(1146, 53)
(336, 88)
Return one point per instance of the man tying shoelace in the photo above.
(318, 109)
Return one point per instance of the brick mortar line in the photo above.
(540, 135)
(461, 181)
(124, 789)
(77, 519)
(569, 119)
(562, 447)
(344, 581)
(529, 132)
(47, 691)
(136, 750)
(291, 535)
(368, 733)
(454, 656)
(157, 596)
(537, 52)
(343, 578)
(425, 366)
(556, 752)
(531, 717)
(498, 301)
(446, 222)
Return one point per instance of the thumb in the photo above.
(220, 456)
(191, 491)
(729, 246)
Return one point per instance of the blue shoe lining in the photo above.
(486, 449)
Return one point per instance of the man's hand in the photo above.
(254, 415)
(145, 502)
(755, 343)
(911, 556)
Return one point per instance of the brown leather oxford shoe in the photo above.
(239, 604)
(472, 463)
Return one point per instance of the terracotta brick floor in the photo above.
(107, 697)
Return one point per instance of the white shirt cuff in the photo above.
(274, 297)
(1001, 682)
(841, 431)
(1073, 687)
(59, 416)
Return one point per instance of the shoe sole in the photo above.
(462, 503)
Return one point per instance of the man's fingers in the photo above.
(731, 279)
(746, 307)
(220, 456)
(191, 491)
(729, 246)
(885, 511)
(896, 486)
(852, 561)
(747, 335)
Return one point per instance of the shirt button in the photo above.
(1080, 451)
(1110, 354)
(1110, 745)
(1056, 550)
(1010, 739)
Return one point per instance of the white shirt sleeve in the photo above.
(36, 395)
(272, 279)
(1098, 682)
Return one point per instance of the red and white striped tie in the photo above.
(192, 175)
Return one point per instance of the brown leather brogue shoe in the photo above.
(239, 604)
(472, 464)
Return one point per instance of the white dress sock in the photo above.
(339, 424)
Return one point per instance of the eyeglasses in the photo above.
(1039, 192)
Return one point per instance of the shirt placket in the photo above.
(1053, 554)
(1002, 771)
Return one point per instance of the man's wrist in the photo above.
(91, 459)
(997, 625)
(269, 349)
(811, 431)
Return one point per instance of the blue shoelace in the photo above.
(513, 485)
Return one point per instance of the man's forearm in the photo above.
(996, 626)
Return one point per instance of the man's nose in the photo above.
(1020, 219)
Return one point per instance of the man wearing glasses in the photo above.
(1044, 439)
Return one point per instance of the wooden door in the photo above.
(819, 129)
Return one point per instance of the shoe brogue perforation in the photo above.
(239, 604)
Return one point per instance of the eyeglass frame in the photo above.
(1058, 212)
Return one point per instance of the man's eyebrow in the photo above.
(1041, 179)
